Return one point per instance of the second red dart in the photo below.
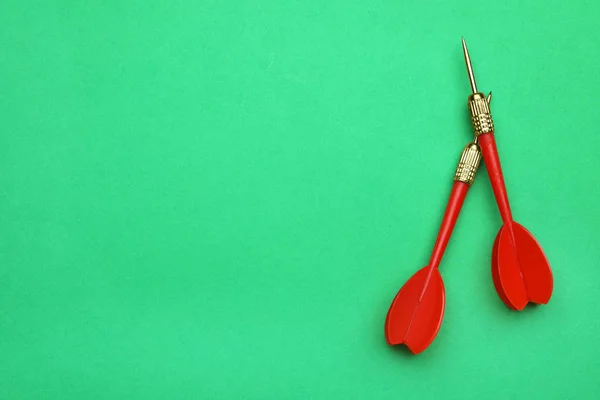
(416, 314)
(520, 270)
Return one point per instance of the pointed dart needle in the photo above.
(520, 270)
(470, 67)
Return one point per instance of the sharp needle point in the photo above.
(469, 66)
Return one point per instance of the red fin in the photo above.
(509, 272)
(534, 266)
(416, 314)
(522, 271)
(496, 276)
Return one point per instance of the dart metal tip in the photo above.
(469, 66)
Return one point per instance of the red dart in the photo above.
(520, 270)
(416, 314)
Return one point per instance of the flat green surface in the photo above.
(219, 200)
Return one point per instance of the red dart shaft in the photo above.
(455, 202)
(463, 178)
(492, 163)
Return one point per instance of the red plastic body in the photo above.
(415, 316)
(455, 202)
(520, 269)
(492, 163)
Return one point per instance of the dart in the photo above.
(520, 269)
(415, 315)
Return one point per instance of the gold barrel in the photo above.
(468, 164)
(481, 117)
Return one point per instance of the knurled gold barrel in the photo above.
(468, 164)
(481, 117)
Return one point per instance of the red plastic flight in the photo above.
(520, 270)
(416, 314)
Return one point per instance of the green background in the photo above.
(219, 200)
